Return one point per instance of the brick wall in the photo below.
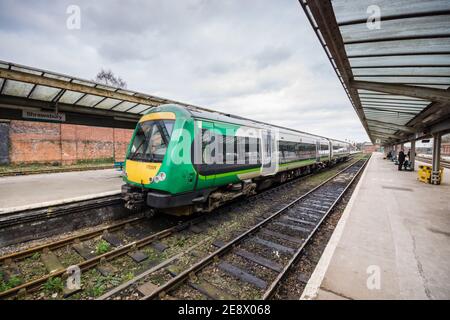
(370, 148)
(4, 142)
(445, 149)
(65, 143)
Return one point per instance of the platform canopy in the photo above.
(393, 60)
(81, 101)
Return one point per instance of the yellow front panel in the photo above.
(158, 116)
(141, 172)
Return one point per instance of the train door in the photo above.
(269, 153)
(318, 151)
(206, 169)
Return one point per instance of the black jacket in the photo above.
(401, 156)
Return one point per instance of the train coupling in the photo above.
(134, 198)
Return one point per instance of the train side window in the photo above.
(229, 152)
(207, 152)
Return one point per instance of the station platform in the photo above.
(392, 241)
(39, 190)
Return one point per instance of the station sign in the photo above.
(44, 115)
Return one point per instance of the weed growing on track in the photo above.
(102, 247)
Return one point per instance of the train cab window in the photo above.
(151, 140)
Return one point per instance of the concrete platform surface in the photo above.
(29, 191)
(392, 242)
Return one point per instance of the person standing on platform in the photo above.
(401, 159)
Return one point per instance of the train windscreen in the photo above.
(151, 140)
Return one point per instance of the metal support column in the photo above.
(412, 154)
(436, 171)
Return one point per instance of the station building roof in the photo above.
(27, 87)
(395, 73)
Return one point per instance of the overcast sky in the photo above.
(254, 58)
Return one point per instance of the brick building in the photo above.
(43, 142)
(445, 148)
(369, 147)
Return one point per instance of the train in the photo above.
(182, 161)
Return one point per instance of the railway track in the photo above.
(132, 247)
(444, 163)
(25, 224)
(136, 238)
(260, 257)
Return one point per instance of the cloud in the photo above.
(257, 58)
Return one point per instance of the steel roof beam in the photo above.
(431, 94)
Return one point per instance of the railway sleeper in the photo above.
(292, 227)
(281, 236)
(273, 246)
(270, 264)
(243, 275)
(211, 291)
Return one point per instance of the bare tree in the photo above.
(108, 78)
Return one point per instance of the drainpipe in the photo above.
(412, 154)
(435, 175)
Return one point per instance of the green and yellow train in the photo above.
(182, 161)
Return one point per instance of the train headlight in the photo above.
(160, 177)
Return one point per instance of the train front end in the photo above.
(148, 165)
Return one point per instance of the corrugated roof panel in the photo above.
(373, 99)
(139, 108)
(108, 103)
(393, 114)
(16, 88)
(89, 100)
(70, 97)
(410, 27)
(396, 107)
(408, 80)
(415, 60)
(388, 8)
(124, 106)
(44, 93)
(379, 95)
(381, 126)
(404, 71)
(411, 46)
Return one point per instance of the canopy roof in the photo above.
(396, 73)
(36, 84)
